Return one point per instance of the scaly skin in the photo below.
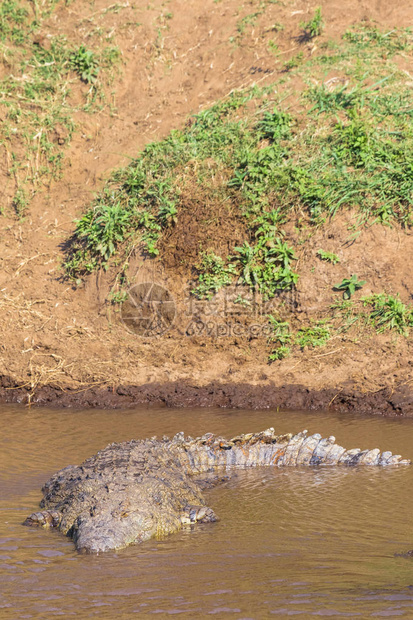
(136, 490)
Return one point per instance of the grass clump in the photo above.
(264, 268)
(388, 312)
(314, 335)
(329, 257)
(86, 65)
(35, 91)
(214, 273)
(282, 336)
(314, 27)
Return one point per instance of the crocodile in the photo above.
(132, 491)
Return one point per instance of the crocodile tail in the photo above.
(267, 448)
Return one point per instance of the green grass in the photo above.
(388, 313)
(214, 273)
(317, 334)
(375, 313)
(348, 145)
(38, 121)
(329, 257)
(314, 27)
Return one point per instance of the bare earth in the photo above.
(62, 344)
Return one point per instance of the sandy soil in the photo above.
(65, 344)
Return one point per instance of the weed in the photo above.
(214, 273)
(248, 20)
(328, 256)
(168, 213)
(389, 313)
(248, 259)
(277, 27)
(118, 297)
(266, 269)
(21, 201)
(279, 354)
(275, 125)
(392, 41)
(282, 336)
(314, 336)
(349, 286)
(327, 100)
(104, 227)
(280, 331)
(315, 26)
(85, 64)
(280, 253)
(293, 62)
(268, 225)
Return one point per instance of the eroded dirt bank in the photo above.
(385, 402)
(64, 343)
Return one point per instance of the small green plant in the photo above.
(314, 336)
(389, 313)
(275, 125)
(293, 62)
(168, 213)
(21, 201)
(328, 256)
(280, 252)
(118, 297)
(248, 259)
(279, 354)
(315, 26)
(85, 64)
(214, 273)
(268, 225)
(104, 228)
(353, 142)
(277, 27)
(331, 100)
(282, 336)
(349, 286)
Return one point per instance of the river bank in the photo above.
(296, 94)
(395, 402)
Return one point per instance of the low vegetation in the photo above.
(347, 143)
(35, 94)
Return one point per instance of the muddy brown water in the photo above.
(309, 542)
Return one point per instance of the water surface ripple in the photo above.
(303, 542)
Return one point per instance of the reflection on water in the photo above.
(309, 542)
